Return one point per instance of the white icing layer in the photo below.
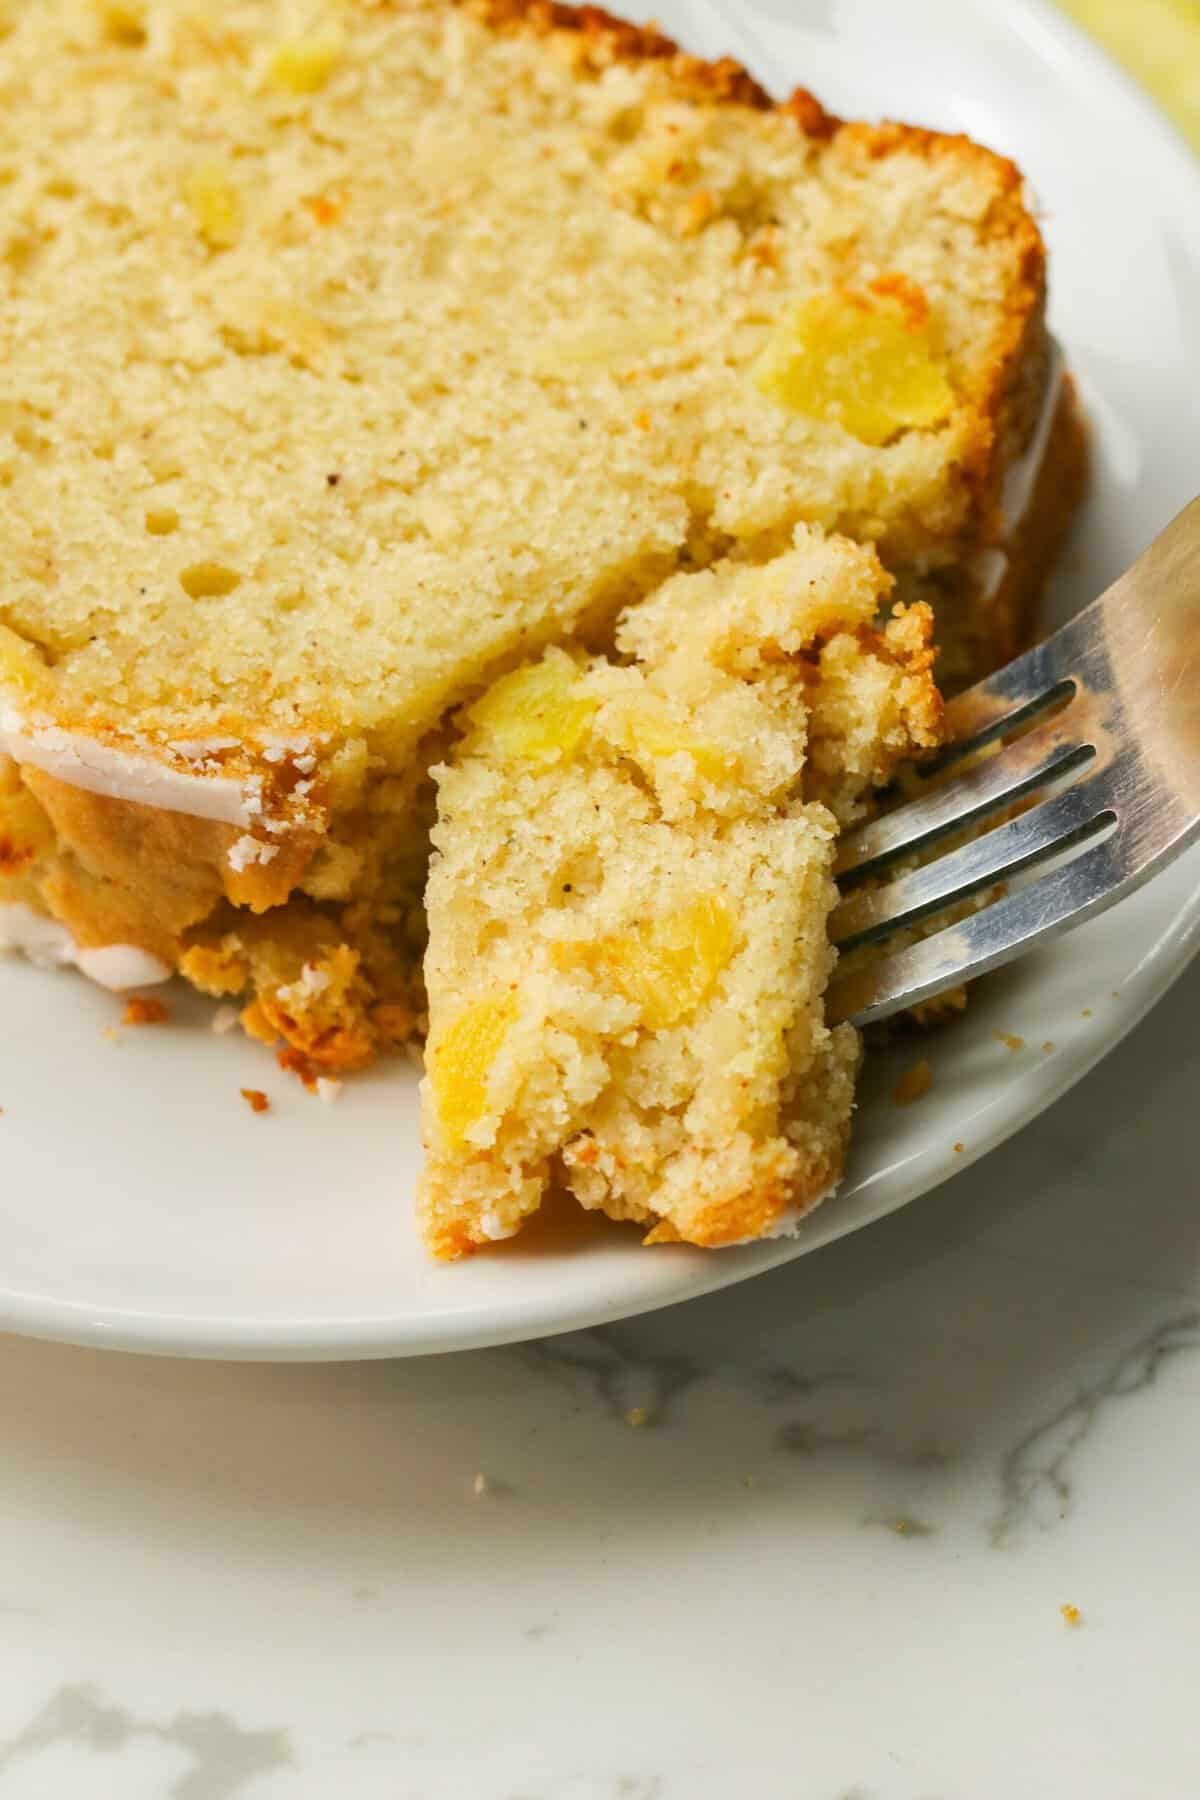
(49, 943)
(99, 769)
(122, 966)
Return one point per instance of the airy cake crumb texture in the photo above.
(356, 351)
(628, 907)
(407, 342)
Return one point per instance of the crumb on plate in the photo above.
(913, 1084)
(141, 1011)
(256, 1100)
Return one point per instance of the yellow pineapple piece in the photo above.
(304, 64)
(461, 1060)
(123, 21)
(537, 712)
(861, 361)
(214, 199)
(22, 670)
(668, 965)
(649, 731)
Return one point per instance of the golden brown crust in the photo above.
(1007, 390)
(604, 38)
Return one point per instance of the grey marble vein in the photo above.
(225, 1757)
(626, 1378)
(1036, 1478)
(623, 1381)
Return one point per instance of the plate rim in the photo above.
(1057, 39)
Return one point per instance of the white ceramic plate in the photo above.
(142, 1205)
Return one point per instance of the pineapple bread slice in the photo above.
(415, 336)
(628, 906)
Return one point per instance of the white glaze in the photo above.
(49, 943)
(122, 966)
(247, 850)
(119, 775)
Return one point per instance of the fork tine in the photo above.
(1053, 826)
(1043, 754)
(1062, 898)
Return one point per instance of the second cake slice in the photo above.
(629, 900)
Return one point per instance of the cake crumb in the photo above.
(140, 1011)
(904, 1526)
(224, 1020)
(327, 1089)
(294, 1062)
(637, 1416)
(481, 1486)
(1009, 1040)
(913, 1084)
(959, 1149)
(256, 1100)
(1086, 1013)
(1071, 1614)
(1048, 1045)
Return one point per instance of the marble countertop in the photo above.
(812, 1536)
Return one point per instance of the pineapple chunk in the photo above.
(536, 712)
(649, 731)
(22, 671)
(216, 203)
(123, 21)
(461, 1060)
(862, 362)
(304, 64)
(666, 966)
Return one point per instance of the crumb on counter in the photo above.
(481, 1486)
(906, 1526)
(1086, 1013)
(637, 1416)
(1071, 1614)
(914, 1083)
(140, 1011)
(256, 1100)
(1009, 1039)
(1048, 1046)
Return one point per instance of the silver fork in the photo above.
(1109, 707)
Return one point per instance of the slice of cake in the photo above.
(629, 898)
(412, 338)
